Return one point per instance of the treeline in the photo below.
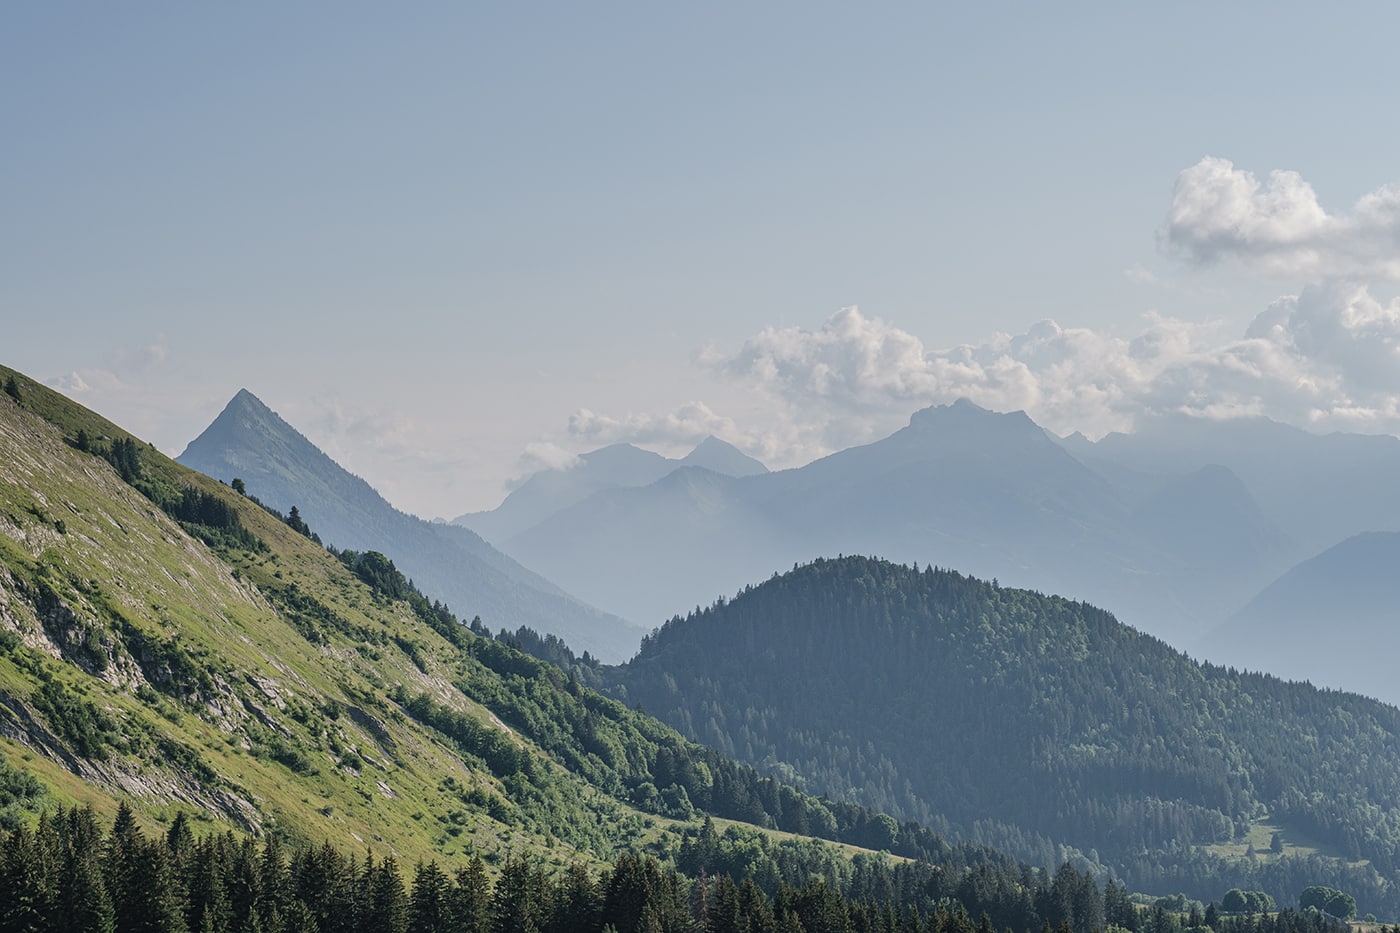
(204, 515)
(1029, 723)
(66, 875)
(636, 758)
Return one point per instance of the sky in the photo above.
(456, 243)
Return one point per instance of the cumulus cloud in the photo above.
(546, 455)
(1279, 227)
(1329, 356)
(690, 423)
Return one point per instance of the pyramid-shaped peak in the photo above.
(723, 457)
(245, 404)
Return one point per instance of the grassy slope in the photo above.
(210, 697)
(116, 563)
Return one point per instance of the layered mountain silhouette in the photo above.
(1333, 620)
(282, 468)
(618, 466)
(960, 486)
(1318, 488)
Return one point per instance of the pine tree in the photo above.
(83, 903)
(517, 903)
(428, 910)
(26, 888)
(469, 900)
(385, 904)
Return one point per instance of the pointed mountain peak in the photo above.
(723, 457)
(244, 419)
(965, 414)
(245, 399)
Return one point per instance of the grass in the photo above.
(222, 704)
(1260, 835)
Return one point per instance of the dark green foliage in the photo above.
(212, 519)
(297, 523)
(12, 390)
(378, 573)
(1237, 901)
(1030, 722)
(1321, 897)
(124, 454)
(20, 793)
(385, 903)
(65, 875)
(87, 730)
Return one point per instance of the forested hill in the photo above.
(1027, 721)
(168, 642)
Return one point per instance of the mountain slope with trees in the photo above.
(279, 466)
(168, 642)
(1030, 722)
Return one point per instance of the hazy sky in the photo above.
(452, 241)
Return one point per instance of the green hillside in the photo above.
(250, 685)
(284, 469)
(1034, 723)
(170, 644)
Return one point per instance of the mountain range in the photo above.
(170, 643)
(167, 640)
(619, 466)
(278, 465)
(992, 494)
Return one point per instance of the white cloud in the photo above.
(1329, 356)
(539, 456)
(1279, 227)
(690, 423)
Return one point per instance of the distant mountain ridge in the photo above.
(1333, 620)
(168, 643)
(617, 466)
(961, 486)
(1319, 488)
(282, 468)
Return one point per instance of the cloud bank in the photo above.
(1278, 227)
(1327, 357)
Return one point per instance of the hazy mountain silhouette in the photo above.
(282, 468)
(618, 466)
(960, 486)
(1318, 488)
(1333, 620)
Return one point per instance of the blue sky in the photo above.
(456, 241)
